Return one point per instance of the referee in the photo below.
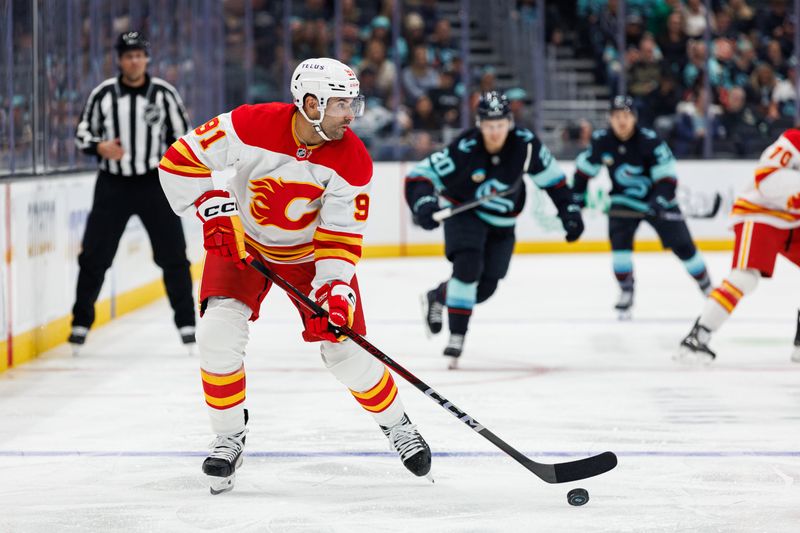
(128, 123)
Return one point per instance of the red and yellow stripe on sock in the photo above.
(727, 295)
(224, 391)
(379, 397)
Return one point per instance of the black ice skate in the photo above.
(453, 350)
(225, 458)
(624, 304)
(694, 348)
(409, 444)
(188, 338)
(77, 337)
(432, 311)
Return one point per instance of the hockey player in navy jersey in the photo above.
(488, 160)
(643, 177)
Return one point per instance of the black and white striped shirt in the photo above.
(146, 120)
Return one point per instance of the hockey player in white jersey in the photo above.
(766, 218)
(298, 202)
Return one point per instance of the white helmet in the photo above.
(325, 78)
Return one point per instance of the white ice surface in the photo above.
(113, 440)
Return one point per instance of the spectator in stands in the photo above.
(721, 67)
(607, 24)
(488, 80)
(759, 94)
(745, 60)
(724, 27)
(446, 103)
(695, 67)
(738, 124)
(775, 22)
(694, 18)
(430, 14)
(377, 119)
(644, 78)
(421, 145)
(522, 114)
(634, 29)
(380, 29)
(692, 127)
(316, 10)
(774, 58)
(785, 95)
(664, 103)
(575, 138)
(419, 76)
(442, 44)
(414, 30)
(423, 117)
(742, 15)
(672, 44)
(385, 70)
(353, 14)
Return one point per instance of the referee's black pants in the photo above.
(116, 198)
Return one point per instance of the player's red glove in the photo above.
(339, 300)
(223, 234)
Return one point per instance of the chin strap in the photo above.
(316, 124)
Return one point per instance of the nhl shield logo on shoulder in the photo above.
(302, 153)
(607, 159)
(478, 176)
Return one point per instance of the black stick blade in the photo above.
(574, 470)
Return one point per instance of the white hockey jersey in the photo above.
(773, 197)
(297, 203)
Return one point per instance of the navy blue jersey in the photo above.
(634, 166)
(465, 171)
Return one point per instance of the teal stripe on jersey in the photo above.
(582, 163)
(425, 170)
(549, 176)
(664, 170)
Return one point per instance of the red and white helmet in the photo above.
(325, 78)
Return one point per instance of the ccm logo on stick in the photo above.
(222, 209)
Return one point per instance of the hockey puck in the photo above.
(577, 497)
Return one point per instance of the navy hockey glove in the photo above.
(572, 221)
(423, 211)
(662, 199)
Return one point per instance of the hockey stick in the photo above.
(551, 473)
(448, 212)
(711, 213)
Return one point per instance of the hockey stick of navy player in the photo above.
(711, 213)
(448, 212)
(551, 473)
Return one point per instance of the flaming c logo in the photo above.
(793, 202)
(273, 197)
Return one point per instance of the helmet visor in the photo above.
(342, 107)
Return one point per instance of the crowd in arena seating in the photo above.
(424, 81)
(751, 70)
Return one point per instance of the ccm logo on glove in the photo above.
(227, 209)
